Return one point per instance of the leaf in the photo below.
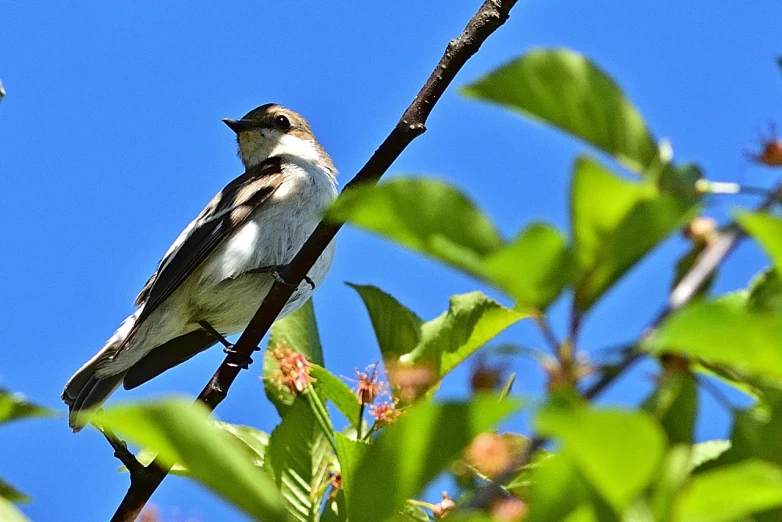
(435, 219)
(334, 389)
(670, 479)
(471, 321)
(411, 513)
(414, 450)
(730, 493)
(615, 223)
(675, 404)
(680, 181)
(10, 513)
(426, 215)
(335, 509)
(297, 458)
(767, 229)
(145, 458)
(724, 331)
(350, 453)
(15, 406)
(253, 442)
(765, 292)
(182, 432)
(756, 432)
(397, 328)
(557, 490)
(617, 451)
(563, 88)
(707, 451)
(532, 269)
(299, 332)
(9, 492)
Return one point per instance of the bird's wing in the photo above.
(228, 209)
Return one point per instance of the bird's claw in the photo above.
(275, 272)
(244, 363)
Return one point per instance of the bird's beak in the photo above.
(239, 125)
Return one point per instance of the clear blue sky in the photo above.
(111, 141)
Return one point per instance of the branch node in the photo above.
(417, 128)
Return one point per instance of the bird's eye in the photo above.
(282, 122)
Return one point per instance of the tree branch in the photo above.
(705, 265)
(491, 15)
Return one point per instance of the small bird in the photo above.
(214, 276)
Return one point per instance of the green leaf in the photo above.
(297, 458)
(414, 450)
(730, 493)
(145, 458)
(411, 513)
(426, 215)
(471, 321)
(617, 451)
(765, 292)
(182, 432)
(680, 461)
(724, 331)
(557, 490)
(563, 88)
(670, 479)
(10, 513)
(397, 328)
(547, 261)
(335, 509)
(675, 404)
(767, 229)
(435, 219)
(334, 389)
(9, 492)
(707, 451)
(615, 223)
(680, 181)
(299, 332)
(756, 432)
(15, 406)
(252, 441)
(350, 453)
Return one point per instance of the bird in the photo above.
(214, 276)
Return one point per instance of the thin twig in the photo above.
(715, 392)
(689, 286)
(490, 17)
(121, 451)
(548, 333)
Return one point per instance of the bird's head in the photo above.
(272, 130)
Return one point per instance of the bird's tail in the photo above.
(87, 390)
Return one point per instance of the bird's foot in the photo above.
(245, 361)
(275, 271)
(228, 348)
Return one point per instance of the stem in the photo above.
(360, 426)
(548, 333)
(321, 415)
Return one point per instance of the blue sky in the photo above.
(111, 142)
